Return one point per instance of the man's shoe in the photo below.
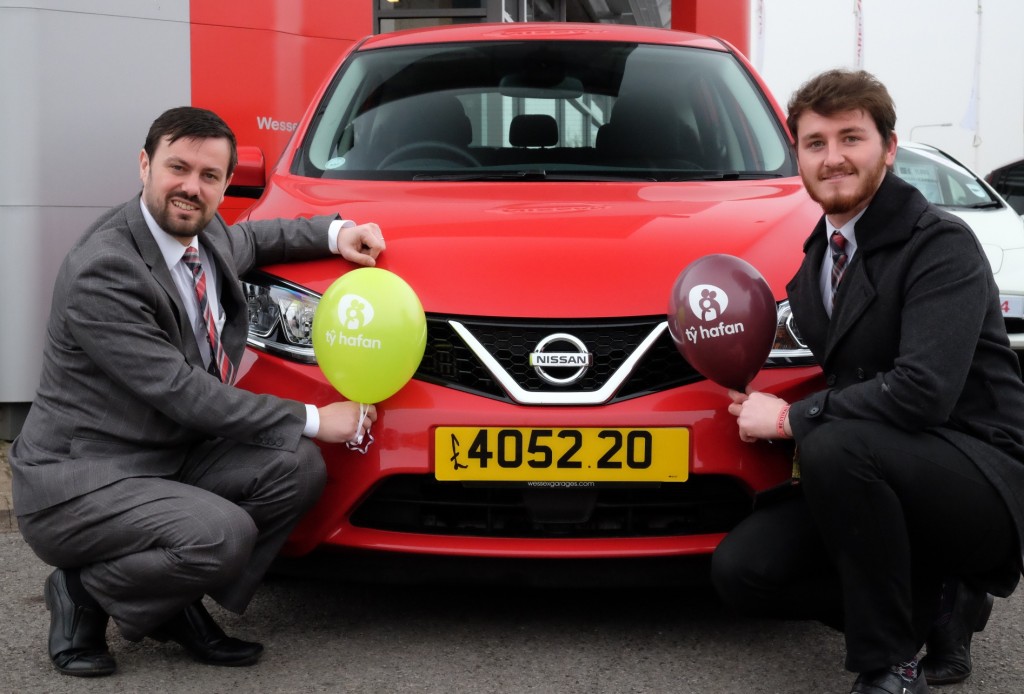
(888, 682)
(195, 630)
(948, 658)
(78, 634)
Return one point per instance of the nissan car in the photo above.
(540, 187)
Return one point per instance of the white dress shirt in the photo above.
(173, 251)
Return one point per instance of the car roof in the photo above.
(919, 146)
(541, 31)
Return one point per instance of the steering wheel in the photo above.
(414, 149)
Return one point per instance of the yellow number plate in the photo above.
(508, 454)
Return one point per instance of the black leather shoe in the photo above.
(195, 630)
(888, 682)
(948, 658)
(78, 635)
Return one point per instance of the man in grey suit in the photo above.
(141, 472)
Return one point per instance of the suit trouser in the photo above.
(149, 547)
(883, 517)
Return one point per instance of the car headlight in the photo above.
(280, 316)
(789, 348)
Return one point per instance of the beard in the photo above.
(169, 218)
(834, 202)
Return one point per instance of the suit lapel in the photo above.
(232, 301)
(154, 259)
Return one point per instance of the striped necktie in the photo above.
(837, 243)
(222, 365)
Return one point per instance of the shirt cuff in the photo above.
(334, 229)
(312, 427)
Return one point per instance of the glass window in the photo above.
(545, 110)
(942, 180)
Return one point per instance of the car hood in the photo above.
(554, 249)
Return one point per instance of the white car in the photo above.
(951, 185)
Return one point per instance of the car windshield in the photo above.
(536, 111)
(943, 181)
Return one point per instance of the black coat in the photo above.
(916, 339)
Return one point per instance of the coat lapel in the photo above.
(884, 222)
(804, 292)
(856, 292)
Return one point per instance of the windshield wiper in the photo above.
(535, 175)
(987, 205)
(726, 176)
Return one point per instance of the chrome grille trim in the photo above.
(525, 397)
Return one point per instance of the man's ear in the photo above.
(890, 150)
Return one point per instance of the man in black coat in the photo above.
(911, 461)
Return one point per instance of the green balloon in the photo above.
(369, 333)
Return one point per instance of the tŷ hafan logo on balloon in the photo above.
(708, 303)
(354, 312)
(722, 317)
(369, 334)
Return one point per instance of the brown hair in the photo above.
(837, 91)
(189, 121)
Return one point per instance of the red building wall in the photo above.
(257, 63)
(727, 19)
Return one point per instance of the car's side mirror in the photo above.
(250, 177)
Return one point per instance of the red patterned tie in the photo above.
(837, 242)
(220, 359)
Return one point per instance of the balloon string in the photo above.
(356, 444)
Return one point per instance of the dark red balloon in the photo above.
(722, 316)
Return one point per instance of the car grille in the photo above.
(420, 504)
(449, 361)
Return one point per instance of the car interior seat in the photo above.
(419, 120)
(533, 130)
(645, 131)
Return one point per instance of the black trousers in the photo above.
(884, 516)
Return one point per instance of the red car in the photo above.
(540, 187)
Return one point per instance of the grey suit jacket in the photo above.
(123, 390)
(916, 339)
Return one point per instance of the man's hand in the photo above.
(757, 415)
(361, 244)
(340, 422)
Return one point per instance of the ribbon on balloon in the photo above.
(369, 335)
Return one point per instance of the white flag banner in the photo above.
(759, 29)
(970, 120)
(858, 18)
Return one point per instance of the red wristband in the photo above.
(780, 424)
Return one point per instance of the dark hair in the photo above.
(189, 121)
(837, 91)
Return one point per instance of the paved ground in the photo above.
(325, 633)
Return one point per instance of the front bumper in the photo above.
(367, 504)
